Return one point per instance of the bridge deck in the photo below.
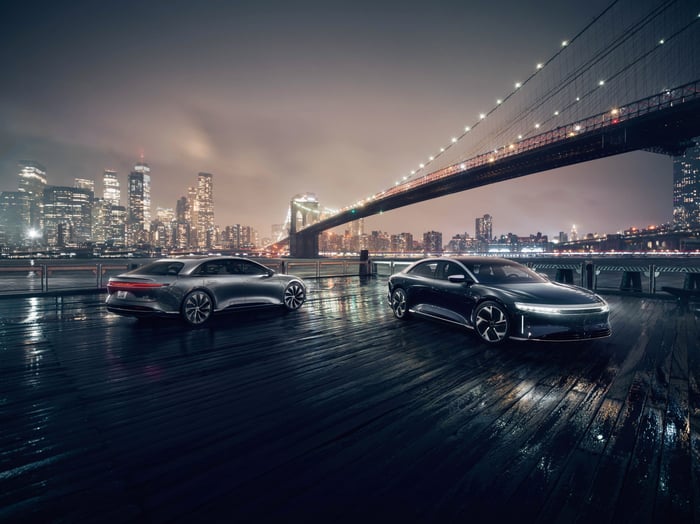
(339, 412)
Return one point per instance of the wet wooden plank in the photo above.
(340, 412)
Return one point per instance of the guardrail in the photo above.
(602, 275)
(43, 278)
(25, 278)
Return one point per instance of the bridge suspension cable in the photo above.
(619, 41)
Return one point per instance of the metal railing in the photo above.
(603, 275)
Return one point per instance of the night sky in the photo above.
(278, 98)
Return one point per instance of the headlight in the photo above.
(552, 309)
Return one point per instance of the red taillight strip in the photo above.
(133, 285)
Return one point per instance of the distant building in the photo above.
(574, 233)
(401, 243)
(85, 183)
(14, 228)
(67, 216)
(378, 242)
(110, 187)
(686, 189)
(32, 181)
(108, 223)
(461, 244)
(432, 242)
(139, 204)
(205, 209)
(484, 228)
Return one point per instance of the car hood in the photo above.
(548, 293)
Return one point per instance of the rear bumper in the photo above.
(138, 311)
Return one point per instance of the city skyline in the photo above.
(279, 100)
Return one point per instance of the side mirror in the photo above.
(459, 279)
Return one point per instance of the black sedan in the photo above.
(195, 287)
(499, 299)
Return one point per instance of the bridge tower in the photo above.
(304, 210)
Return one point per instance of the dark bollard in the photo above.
(364, 263)
(631, 281)
(589, 275)
(691, 281)
(565, 276)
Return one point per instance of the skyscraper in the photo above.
(432, 242)
(484, 228)
(205, 209)
(686, 188)
(67, 215)
(139, 204)
(32, 181)
(85, 183)
(110, 187)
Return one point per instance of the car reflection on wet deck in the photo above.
(337, 413)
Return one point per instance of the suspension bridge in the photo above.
(628, 80)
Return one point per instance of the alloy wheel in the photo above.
(197, 308)
(294, 296)
(399, 303)
(491, 322)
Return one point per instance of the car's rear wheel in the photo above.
(294, 296)
(491, 322)
(197, 307)
(399, 303)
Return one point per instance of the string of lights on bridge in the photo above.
(518, 86)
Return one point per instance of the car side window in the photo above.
(489, 273)
(243, 267)
(448, 269)
(211, 268)
(426, 269)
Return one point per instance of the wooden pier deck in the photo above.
(340, 413)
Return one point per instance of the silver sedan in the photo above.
(195, 287)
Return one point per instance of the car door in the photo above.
(256, 283)
(226, 288)
(453, 295)
(420, 281)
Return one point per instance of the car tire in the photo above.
(491, 322)
(197, 307)
(399, 303)
(294, 296)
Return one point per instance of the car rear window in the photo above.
(158, 268)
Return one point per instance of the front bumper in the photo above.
(561, 327)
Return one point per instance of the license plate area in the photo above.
(122, 294)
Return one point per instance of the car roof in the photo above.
(199, 258)
(475, 259)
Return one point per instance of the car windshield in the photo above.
(159, 268)
(504, 273)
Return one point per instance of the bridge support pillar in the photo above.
(303, 246)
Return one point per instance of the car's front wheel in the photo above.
(399, 303)
(294, 296)
(491, 322)
(197, 307)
